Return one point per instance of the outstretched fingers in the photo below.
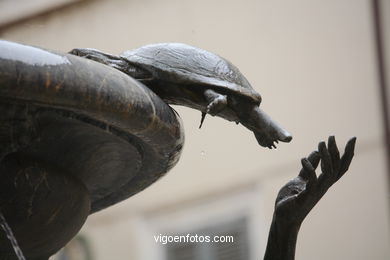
(314, 159)
(326, 160)
(307, 172)
(327, 177)
(310, 172)
(347, 156)
(334, 153)
(333, 168)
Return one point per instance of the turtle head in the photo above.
(267, 131)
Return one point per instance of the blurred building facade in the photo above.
(314, 63)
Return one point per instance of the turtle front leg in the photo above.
(216, 103)
(101, 57)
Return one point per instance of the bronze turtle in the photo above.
(184, 75)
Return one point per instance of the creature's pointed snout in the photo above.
(283, 135)
(267, 131)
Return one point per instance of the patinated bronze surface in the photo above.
(66, 119)
(78, 135)
(297, 198)
(184, 75)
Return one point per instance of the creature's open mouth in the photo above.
(267, 131)
(270, 139)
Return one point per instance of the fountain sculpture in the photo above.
(79, 134)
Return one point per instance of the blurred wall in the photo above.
(314, 64)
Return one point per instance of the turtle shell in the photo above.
(186, 65)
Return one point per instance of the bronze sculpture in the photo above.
(184, 75)
(77, 106)
(300, 195)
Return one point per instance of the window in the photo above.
(236, 250)
(233, 213)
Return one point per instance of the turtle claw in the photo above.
(217, 103)
(202, 119)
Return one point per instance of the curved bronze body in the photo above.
(66, 119)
